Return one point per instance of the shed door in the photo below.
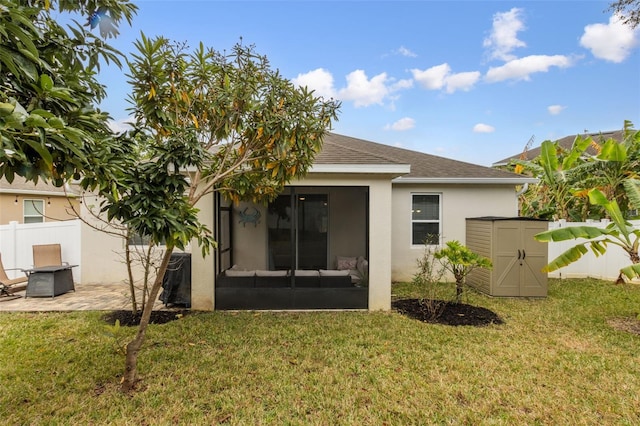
(534, 281)
(507, 242)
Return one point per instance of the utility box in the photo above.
(517, 257)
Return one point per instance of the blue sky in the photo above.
(468, 80)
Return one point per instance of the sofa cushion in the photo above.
(346, 262)
(261, 273)
(333, 273)
(306, 273)
(239, 273)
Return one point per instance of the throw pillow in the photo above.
(346, 262)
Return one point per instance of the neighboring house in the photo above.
(26, 202)
(360, 200)
(565, 143)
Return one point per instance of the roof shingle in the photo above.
(339, 149)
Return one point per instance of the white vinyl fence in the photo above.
(16, 241)
(101, 263)
(606, 267)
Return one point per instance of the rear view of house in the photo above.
(338, 238)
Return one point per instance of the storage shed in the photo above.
(517, 257)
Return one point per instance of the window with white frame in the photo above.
(425, 219)
(33, 211)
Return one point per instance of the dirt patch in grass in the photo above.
(447, 313)
(630, 325)
(129, 319)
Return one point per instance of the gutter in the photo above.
(523, 189)
(472, 181)
(32, 192)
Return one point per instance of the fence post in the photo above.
(13, 227)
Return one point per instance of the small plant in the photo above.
(429, 279)
(116, 332)
(460, 261)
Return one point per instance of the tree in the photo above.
(49, 125)
(460, 261)
(628, 10)
(203, 122)
(619, 233)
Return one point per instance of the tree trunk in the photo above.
(132, 288)
(133, 347)
(635, 259)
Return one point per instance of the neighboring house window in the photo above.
(425, 219)
(33, 211)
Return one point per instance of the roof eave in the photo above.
(37, 192)
(467, 181)
(392, 169)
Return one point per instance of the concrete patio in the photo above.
(86, 297)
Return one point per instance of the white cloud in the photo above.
(504, 35)
(318, 80)
(462, 81)
(520, 69)
(432, 78)
(120, 126)
(440, 77)
(401, 84)
(361, 90)
(555, 109)
(612, 42)
(401, 125)
(483, 128)
(364, 91)
(406, 52)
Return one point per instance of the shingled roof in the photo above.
(566, 143)
(345, 150)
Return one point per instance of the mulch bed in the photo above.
(448, 313)
(128, 319)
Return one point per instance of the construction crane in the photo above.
(527, 147)
(519, 168)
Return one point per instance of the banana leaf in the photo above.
(566, 258)
(573, 232)
(575, 253)
(632, 187)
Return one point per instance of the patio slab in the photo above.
(86, 297)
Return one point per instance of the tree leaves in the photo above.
(48, 75)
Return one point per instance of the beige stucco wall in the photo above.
(203, 268)
(458, 203)
(56, 208)
(102, 254)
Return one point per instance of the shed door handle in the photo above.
(519, 254)
(523, 254)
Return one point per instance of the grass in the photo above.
(554, 361)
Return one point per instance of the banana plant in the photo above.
(616, 162)
(619, 233)
(555, 168)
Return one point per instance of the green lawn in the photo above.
(554, 361)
